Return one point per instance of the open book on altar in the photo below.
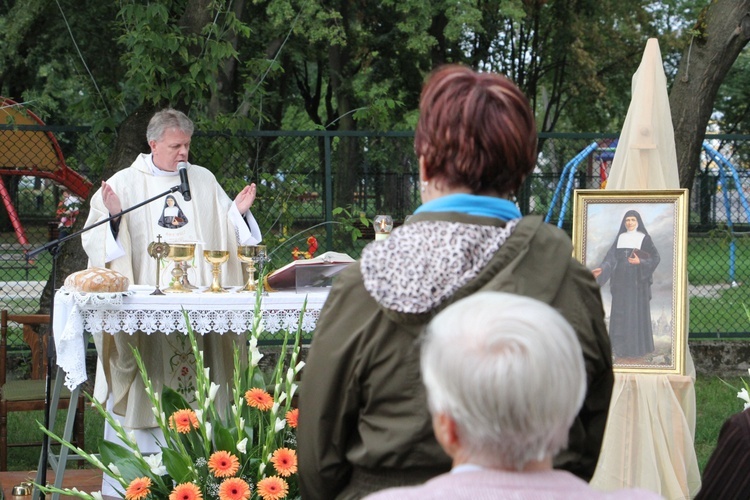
(309, 273)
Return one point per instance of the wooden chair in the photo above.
(29, 394)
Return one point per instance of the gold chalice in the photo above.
(216, 258)
(250, 254)
(179, 253)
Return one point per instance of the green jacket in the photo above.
(364, 423)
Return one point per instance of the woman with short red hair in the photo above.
(364, 424)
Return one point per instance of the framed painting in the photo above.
(635, 244)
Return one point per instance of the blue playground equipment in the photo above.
(567, 176)
(724, 167)
(566, 185)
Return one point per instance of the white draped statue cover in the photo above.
(649, 438)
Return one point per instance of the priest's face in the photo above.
(172, 148)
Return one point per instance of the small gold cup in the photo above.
(250, 255)
(179, 253)
(216, 258)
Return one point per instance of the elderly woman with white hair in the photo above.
(505, 379)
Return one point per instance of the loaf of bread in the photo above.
(97, 280)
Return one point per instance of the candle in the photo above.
(383, 224)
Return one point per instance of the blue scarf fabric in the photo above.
(471, 204)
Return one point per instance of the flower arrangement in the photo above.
(67, 210)
(247, 451)
(312, 246)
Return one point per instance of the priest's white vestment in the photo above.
(213, 223)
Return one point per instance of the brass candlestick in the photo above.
(179, 253)
(250, 254)
(216, 258)
(158, 249)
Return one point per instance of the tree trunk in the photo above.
(224, 100)
(722, 31)
(346, 153)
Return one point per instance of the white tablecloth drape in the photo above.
(138, 310)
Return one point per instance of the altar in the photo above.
(77, 316)
(138, 310)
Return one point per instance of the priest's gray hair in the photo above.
(165, 119)
(509, 371)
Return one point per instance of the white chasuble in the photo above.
(210, 221)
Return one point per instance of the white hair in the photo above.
(165, 119)
(509, 371)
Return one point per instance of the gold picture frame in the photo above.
(642, 272)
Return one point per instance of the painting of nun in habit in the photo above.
(629, 267)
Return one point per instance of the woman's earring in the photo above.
(424, 185)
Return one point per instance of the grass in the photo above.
(720, 315)
(24, 427)
(715, 402)
(708, 259)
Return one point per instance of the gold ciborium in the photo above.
(216, 258)
(250, 255)
(180, 253)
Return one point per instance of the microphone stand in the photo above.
(54, 249)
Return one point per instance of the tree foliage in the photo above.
(343, 65)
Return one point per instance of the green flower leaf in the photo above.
(127, 463)
(223, 439)
(178, 465)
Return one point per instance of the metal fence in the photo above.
(304, 178)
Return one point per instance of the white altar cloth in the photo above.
(138, 310)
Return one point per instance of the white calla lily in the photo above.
(280, 424)
(212, 391)
(155, 464)
(242, 446)
(743, 395)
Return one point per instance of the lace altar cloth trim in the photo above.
(76, 313)
(203, 321)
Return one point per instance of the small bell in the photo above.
(22, 491)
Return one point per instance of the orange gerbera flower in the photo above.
(223, 464)
(272, 488)
(183, 421)
(186, 491)
(138, 488)
(234, 489)
(260, 399)
(292, 416)
(284, 461)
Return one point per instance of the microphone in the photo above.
(184, 184)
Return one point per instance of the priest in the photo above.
(211, 220)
